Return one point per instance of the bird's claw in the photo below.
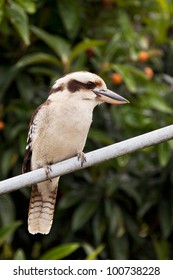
(81, 157)
(48, 171)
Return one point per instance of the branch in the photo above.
(97, 156)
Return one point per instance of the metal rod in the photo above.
(94, 157)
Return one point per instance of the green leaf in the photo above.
(19, 20)
(7, 210)
(165, 215)
(35, 58)
(119, 247)
(146, 206)
(99, 136)
(131, 226)
(135, 118)
(68, 200)
(47, 71)
(93, 253)
(164, 153)
(83, 46)
(6, 231)
(19, 255)
(131, 192)
(115, 219)
(9, 158)
(157, 102)
(59, 45)
(128, 33)
(11, 73)
(70, 13)
(1, 9)
(60, 252)
(165, 7)
(83, 213)
(23, 82)
(162, 248)
(28, 5)
(99, 226)
(111, 47)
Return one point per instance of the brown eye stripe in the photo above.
(74, 85)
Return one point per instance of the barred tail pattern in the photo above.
(41, 211)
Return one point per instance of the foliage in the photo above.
(121, 209)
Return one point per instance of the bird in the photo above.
(58, 130)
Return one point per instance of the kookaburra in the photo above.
(58, 131)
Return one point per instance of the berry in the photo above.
(116, 78)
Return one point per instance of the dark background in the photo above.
(120, 209)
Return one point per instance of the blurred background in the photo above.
(120, 209)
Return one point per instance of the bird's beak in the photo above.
(106, 95)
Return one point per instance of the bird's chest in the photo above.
(63, 134)
(70, 124)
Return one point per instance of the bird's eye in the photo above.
(90, 85)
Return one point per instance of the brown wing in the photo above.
(26, 167)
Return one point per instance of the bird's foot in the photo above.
(48, 171)
(81, 157)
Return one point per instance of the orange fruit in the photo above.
(149, 72)
(143, 56)
(116, 78)
(2, 125)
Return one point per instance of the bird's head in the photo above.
(84, 86)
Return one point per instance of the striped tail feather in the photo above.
(41, 211)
